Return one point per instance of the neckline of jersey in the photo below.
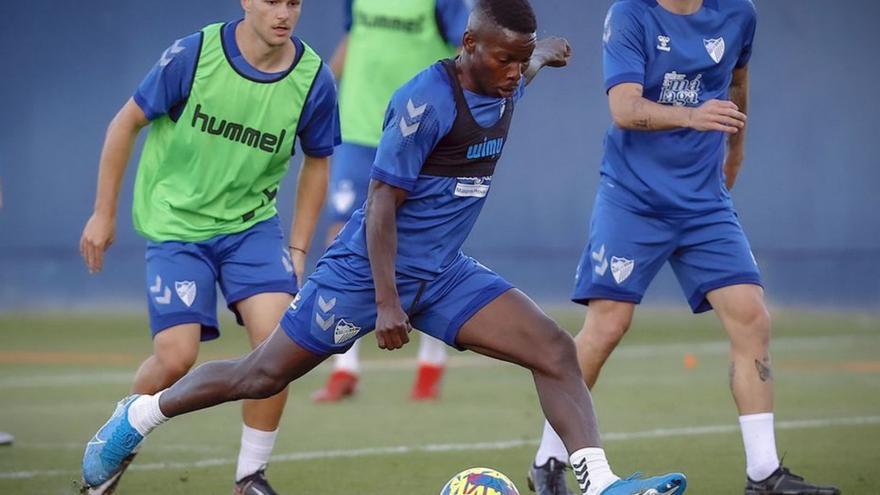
(707, 4)
(242, 67)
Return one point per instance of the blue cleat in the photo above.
(107, 451)
(667, 484)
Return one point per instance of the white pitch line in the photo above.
(639, 351)
(462, 447)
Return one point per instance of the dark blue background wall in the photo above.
(807, 195)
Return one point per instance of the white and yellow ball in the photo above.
(479, 481)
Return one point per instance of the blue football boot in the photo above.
(667, 484)
(107, 451)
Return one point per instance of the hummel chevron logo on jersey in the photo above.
(414, 112)
(168, 54)
(715, 47)
(407, 130)
(324, 324)
(325, 305)
(602, 263)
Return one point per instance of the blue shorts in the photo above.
(349, 179)
(627, 249)
(337, 305)
(182, 277)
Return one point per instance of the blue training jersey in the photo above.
(166, 88)
(682, 60)
(439, 212)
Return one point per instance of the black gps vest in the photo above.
(469, 149)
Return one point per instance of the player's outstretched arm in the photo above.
(311, 190)
(100, 229)
(736, 143)
(630, 110)
(549, 52)
(392, 323)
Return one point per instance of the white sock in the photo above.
(256, 447)
(760, 443)
(432, 351)
(349, 361)
(551, 447)
(592, 470)
(144, 413)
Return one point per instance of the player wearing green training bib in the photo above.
(226, 107)
(387, 43)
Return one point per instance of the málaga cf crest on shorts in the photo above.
(186, 291)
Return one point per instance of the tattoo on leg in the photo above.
(763, 367)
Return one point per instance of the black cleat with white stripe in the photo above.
(784, 482)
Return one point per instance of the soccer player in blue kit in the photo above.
(385, 45)
(676, 73)
(398, 263)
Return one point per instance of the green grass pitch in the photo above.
(61, 374)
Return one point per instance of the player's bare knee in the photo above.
(607, 321)
(175, 356)
(752, 327)
(258, 381)
(557, 355)
(606, 330)
(175, 364)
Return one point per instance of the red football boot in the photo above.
(427, 385)
(340, 385)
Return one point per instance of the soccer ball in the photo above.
(479, 481)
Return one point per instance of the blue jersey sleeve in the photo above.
(166, 87)
(623, 53)
(452, 17)
(347, 15)
(414, 123)
(319, 122)
(746, 54)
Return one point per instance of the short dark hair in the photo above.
(515, 15)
